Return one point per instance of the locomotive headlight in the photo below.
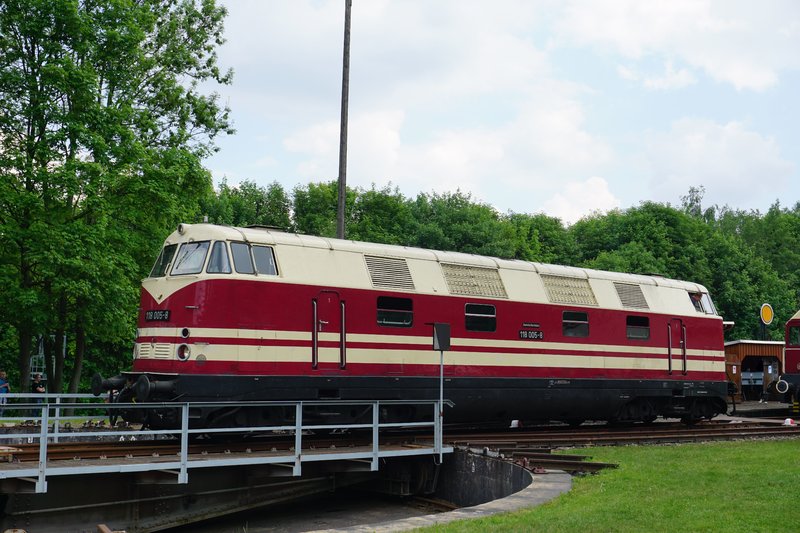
(183, 352)
(185, 333)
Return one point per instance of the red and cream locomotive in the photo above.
(789, 385)
(257, 314)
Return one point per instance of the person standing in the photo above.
(5, 388)
(37, 387)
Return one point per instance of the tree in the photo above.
(102, 129)
(315, 207)
(381, 216)
(249, 205)
(542, 238)
(656, 238)
(453, 222)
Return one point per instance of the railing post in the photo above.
(41, 482)
(57, 418)
(376, 444)
(298, 438)
(183, 476)
(437, 429)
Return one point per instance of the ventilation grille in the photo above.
(565, 290)
(161, 350)
(389, 273)
(473, 281)
(631, 295)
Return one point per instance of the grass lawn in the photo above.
(722, 486)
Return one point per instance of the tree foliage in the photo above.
(102, 130)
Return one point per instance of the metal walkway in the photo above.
(49, 426)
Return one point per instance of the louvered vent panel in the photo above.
(162, 351)
(566, 290)
(389, 273)
(473, 281)
(145, 351)
(631, 295)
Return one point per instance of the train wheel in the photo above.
(647, 413)
(698, 410)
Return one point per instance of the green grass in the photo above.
(725, 486)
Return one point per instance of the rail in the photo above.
(47, 418)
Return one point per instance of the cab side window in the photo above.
(241, 258)
(702, 303)
(265, 260)
(794, 336)
(163, 261)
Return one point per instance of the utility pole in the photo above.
(343, 123)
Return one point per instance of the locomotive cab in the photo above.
(792, 358)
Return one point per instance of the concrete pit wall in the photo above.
(468, 479)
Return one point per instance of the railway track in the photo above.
(531, 446)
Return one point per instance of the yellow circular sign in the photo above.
(767, 314)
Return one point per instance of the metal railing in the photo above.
(49, 417)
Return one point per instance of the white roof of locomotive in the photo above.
(346, 267)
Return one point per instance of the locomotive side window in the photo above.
(638, 327)
(575, 324)
(396, 312)
(794, 335)
(265, 260)
(480, 317)
(219, 262)
(191, 257)
(163, 261)
(241, 258)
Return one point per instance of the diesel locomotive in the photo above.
(253, 314)
(789, 385)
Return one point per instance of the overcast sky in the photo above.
(561, 107)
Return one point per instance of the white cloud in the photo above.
(669, 80)
(736, 166)
(740, 42)
(507, 164)
(497, 100)
(581, 198)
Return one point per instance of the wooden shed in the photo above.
(753, 366)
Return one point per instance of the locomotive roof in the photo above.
(269, 236)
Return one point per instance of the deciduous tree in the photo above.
(103, 124)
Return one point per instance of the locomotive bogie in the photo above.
(255, 314)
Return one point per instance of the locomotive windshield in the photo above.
(219, 262)
(702, 303)
(190, 258)
(163, 261)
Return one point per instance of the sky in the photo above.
(562, 107)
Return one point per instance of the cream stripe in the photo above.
(299, 354)
(255, 334)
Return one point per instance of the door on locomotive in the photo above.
(328, 335)
(676, 347)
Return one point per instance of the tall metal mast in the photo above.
(343, 124)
